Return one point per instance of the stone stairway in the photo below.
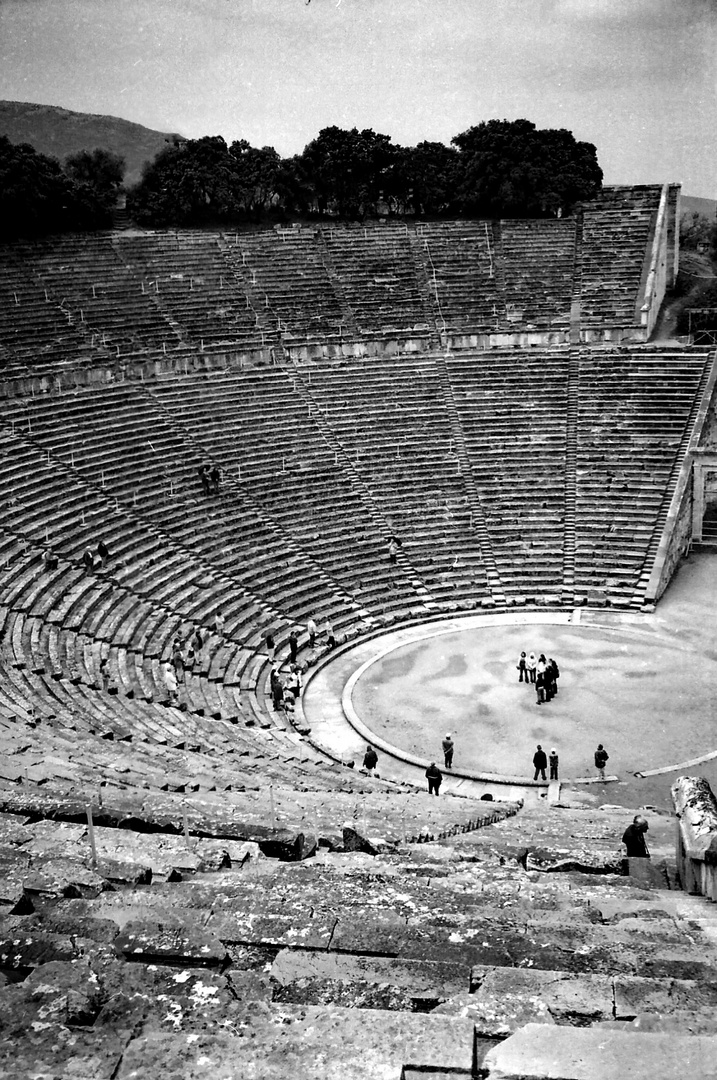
(512, 951)
(495, 584)
(571, 483)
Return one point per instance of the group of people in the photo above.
(542, 761)
(541, 672)
(92, 560)
(434, 776)
(210, 477)
(285, 689)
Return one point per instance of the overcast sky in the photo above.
(638, 78)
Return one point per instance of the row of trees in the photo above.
(498, 168)
(39, 195)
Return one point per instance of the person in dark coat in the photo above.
(215, 479)
(277, 690)
(294, 645)
(601, 760)
(523, 668)
(634, 839)
(540, 763)
(448, 748)
(434, 776)
(88, 559)
(555, 674)
(204, 477)
(370, 760)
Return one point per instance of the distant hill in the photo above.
(59, 132)
(689, 204)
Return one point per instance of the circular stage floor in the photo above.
(623, 689)
(645, 685)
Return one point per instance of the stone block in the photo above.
(310, 1043)
(169, 942)
(581, 999)
(306, 930)
(537, 1052)
(424, 983)
(288, 846)
(355, 840)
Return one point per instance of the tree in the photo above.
(35, 194)
(424, 178)
(698, 233)
(97, 176)
(348, 170)
(509, 168)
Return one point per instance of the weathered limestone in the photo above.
(696, 809)
(168, 943)
(538, 1052)
(309, 1043)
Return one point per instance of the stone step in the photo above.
(310, 1043)
(538, 1051)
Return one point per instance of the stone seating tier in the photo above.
(518, 949)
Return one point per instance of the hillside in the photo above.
(59, 132)
(690, 204)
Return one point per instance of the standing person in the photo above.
(311, 631)
(548, 682)
(270, 642)
(370, 760)
(532, 664)
(215, 479)
(294, 645)
(219, 624)
(177, 660)
(522, 668)
(197, 643)
(88, 559)
(203, 471)
(448, 748)
(555, 671)
(540, 763)
(170, 680)
(553, 762)
(103, 551)
(634, 839)
(293, 683)
(601, 760)
(277, 689)
(329, 631)
(392, 551)
(540, 686)
(434, 777)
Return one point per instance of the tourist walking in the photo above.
(448, 749)
(540, 763)
(434, 777)
(523, 668)
(634, 839)
(370, 760)
(553, 762)
(601, 760)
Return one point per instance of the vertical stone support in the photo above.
(696, 809)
